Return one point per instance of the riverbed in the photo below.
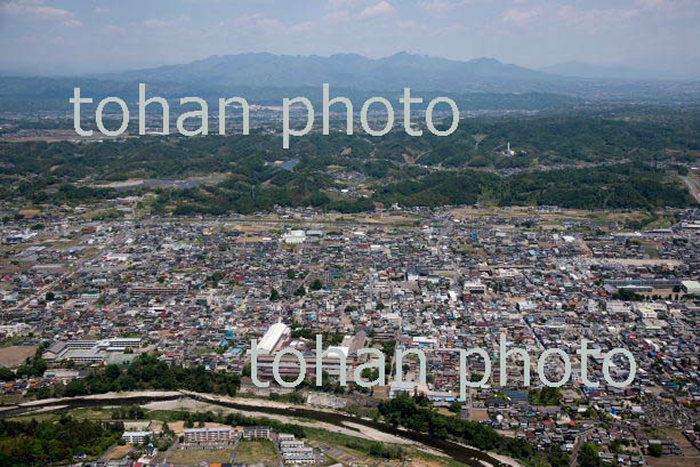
(326, 419)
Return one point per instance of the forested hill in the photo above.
(606, 160)
(32, 94)
(610, 187)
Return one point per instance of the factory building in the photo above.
(273, 337)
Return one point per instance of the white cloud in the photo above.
(521, 16)
(166, 23)
(114, 29)
(302, 27)
(344, 10)
(650, 3)
(346, 4)
(578, 17)
(381, 8)
(258, 22)
(38, 10)
(441, 7)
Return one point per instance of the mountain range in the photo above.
(420, 72)
(350, 71)
(266, 77)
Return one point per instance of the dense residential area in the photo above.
(350, 233)
(167, 307)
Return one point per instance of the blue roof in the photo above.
(289, 165)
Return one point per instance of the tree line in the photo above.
(417, 414)
(144, 373)
(37, 444)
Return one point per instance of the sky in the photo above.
(73, 36)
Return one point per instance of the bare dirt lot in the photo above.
(16, 355)
(478, 415)
(690, 457)
(118, 452)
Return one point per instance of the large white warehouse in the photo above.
(273, 336)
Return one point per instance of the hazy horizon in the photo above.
(645, 73)
(66, 37)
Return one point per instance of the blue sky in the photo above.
(69, 36)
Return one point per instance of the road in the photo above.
(580, 439)
(692, 186)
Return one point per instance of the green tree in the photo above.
(588, 456)
(656, 450)
(455, 407)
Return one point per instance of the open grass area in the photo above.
(165, 415)
(195, 456)
(353, 450)
(11, 399)
(90, 414)
(257, 452)
(118, 452)
(39, 417)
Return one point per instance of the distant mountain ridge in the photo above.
(420, 72)
(265, 78)
(588, 70)
(352, 71)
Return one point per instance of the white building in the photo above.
(691, 287)
(124, 342)
(209, 434)
(12, 330)
(294, 237)
(137, 437)
(295, 452)
(116, 257)
(273, 336)
(62, 374)
(256, 432)
(474, 287)
(405, 387)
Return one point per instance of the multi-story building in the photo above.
(208, 434)
(256, 432)
(294, 451)
(136, 437)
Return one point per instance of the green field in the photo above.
(257, 452)
(195, 456)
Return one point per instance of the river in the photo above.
(454, 450)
